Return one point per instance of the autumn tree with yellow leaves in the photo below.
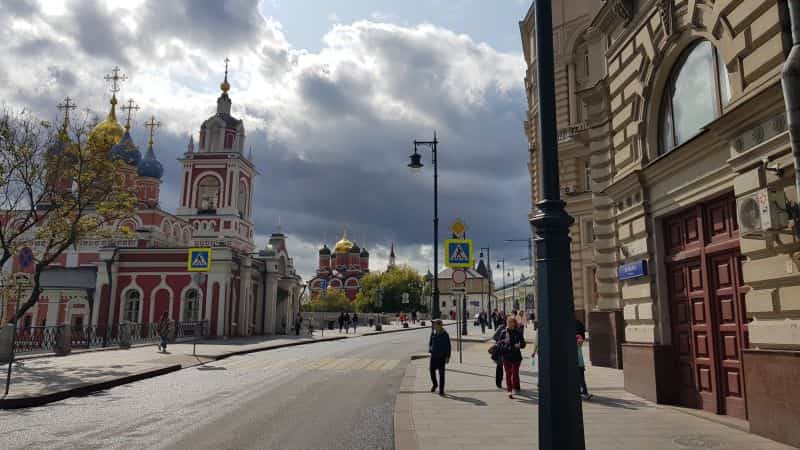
(57, 187)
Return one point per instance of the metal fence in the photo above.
(43, 339)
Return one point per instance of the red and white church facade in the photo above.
(106, 282)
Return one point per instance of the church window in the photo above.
(241, 202)
(132, 305)
(208, 193)
(229, 138)
(191, 306)
(696, 92)
(202, 138)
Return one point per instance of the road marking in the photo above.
(375, 365)
(391, 364)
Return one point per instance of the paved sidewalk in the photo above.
(475, 415)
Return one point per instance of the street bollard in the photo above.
(63, 345)
(6, 342)
(125, 335)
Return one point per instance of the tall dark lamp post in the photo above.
(560, 410)
(416, 164)
(491, 281)
(501, 264)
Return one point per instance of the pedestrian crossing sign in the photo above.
(458, 253)
(199, 260)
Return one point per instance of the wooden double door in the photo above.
(707, 307)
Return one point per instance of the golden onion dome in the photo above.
(108, 132)
(344, 245)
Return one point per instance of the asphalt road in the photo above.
(329, 395)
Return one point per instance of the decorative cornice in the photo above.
(665, 11)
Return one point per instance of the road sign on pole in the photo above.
(459, 277)
(458, 253)
(405, 297)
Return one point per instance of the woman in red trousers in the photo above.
(511, 342)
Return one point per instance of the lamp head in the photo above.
(415, 163)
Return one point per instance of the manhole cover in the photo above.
(696, 442)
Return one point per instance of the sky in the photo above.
(332, 94)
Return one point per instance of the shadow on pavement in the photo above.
(617, 402)
(471, 400)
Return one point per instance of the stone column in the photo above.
(573, 104)
(63, 340)
(270, 316)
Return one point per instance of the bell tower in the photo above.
(217, 193)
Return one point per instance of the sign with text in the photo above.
(633, 270)
(199, 260)
(458, 253)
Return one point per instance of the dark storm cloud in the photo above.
(99, 32)
(212, 24)
(20, 8)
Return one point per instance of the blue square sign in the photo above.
(458, 253)
(199, 260)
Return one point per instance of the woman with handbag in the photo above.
(510, 344)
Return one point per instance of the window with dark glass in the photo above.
(696, 92)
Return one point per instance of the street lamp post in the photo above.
(560, 409)
(501, 262)
(491, 281)
(513, 290)
(416, 164)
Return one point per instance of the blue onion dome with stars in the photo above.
(125, 150)
(149, 166)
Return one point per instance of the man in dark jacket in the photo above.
(439, 348)
(498, 371)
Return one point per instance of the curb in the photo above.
(405, 434)
(28, 402)
(32, 401)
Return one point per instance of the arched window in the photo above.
(208, 193)
(132, 306)
(696, 92)
(241, 202)
(191, 306)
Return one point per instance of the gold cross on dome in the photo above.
(226, 67)
(65, 106)
(115, 78)
(131, 108)
(152, 125)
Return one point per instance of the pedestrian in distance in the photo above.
(414, 316)
(439, 347)
(297, 324)
(511, 343)
(582, 369)
(482, 320)
(341, 321)
(497, 357)
(580, 328)
(355, 322)
(163, 331)
(346, 323)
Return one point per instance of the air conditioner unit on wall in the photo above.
(761, 211)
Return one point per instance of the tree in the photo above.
(331, 301)
(389, 288)
(57, 187)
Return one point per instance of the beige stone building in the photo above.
(583, 121)
(690, 168)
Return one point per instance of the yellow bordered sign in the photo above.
(199, 260)
(458, 253)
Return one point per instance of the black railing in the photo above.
(43, 339)
(35, 339)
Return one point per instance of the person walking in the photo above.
(346, 323)
(355, 322)
(482, 319)
(497, 357)
(511, 343)
(341, 321)
(163, 332)
(582, 369)
(414, 317)
(439, 348)
(297, 324)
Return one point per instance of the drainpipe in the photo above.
(791, 90)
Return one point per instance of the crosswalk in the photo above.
(322, 364)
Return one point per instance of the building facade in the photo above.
(579, 58)
(137, 276)
(477, 289)
(341, 269)
(693, 169)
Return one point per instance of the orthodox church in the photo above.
(343, 268)
(107, 281)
